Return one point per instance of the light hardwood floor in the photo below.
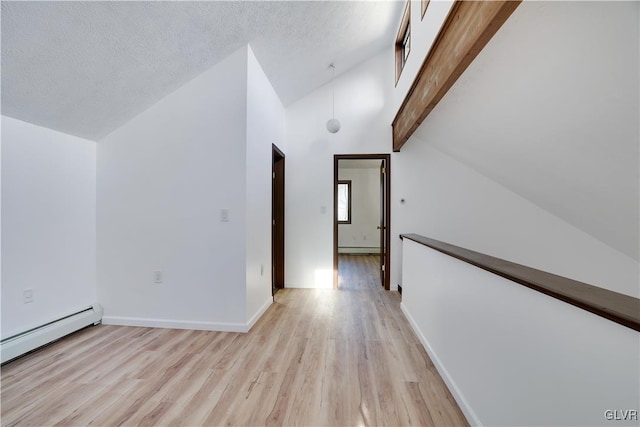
(342, 357)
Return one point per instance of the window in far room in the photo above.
(344, 202)
(403, 40)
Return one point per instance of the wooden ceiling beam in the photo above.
(467, 29)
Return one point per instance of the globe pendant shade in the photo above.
(333, 125)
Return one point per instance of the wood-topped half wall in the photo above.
(617, 307)
(467, 29)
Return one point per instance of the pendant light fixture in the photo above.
(333, 125)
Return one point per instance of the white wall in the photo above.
(444, 198)
(1, 287)
(361, 94)
(483, 206)
(48, 224)
(448, 201)
(162, 181)
(534, 360)
(265, 126)
(367, 100)
(513, 356)
(556, 117)
(365, 211)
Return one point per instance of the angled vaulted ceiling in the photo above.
(555, 117)
(85, 68)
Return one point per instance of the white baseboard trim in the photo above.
(359, 250)
(259, 313)
(468, 412)
(174, 324)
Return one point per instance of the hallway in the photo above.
(322, 357)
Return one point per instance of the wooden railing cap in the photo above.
(620, 308)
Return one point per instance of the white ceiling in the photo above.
(85, 68)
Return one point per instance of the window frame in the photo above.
(424, 5)
(346, 182)
(403, 41)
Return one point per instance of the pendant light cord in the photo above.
(333, 92)
(333, 125)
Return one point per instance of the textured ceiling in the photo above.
(85, 68)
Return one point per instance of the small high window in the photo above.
(425, 3)
(403, 40)
(406, 44)
(344, 202)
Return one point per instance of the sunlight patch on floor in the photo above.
(323, 278)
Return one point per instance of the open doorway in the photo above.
(361, 217)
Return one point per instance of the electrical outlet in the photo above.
(224, 215)
(323, 210)
(27, 296)
(157, 277)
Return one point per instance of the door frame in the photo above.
(277, 239)
(387, 208)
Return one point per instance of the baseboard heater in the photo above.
(22, 343)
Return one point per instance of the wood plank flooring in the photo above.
(318, 357)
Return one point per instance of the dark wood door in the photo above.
(383, 224)
(277, 221)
